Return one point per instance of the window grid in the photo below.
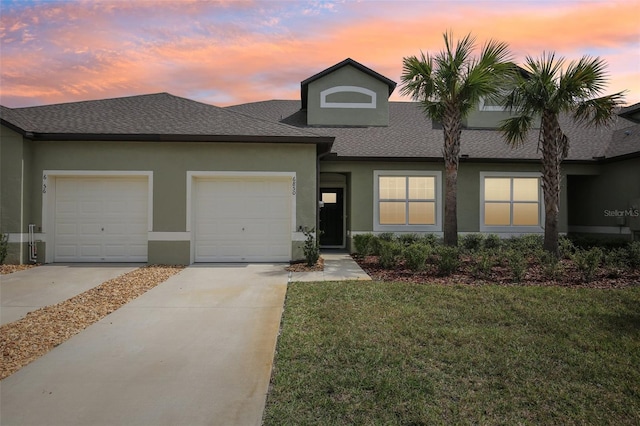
(417, 208)
(512, 203)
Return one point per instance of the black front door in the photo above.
(332, 217)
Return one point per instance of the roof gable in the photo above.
(304, 85)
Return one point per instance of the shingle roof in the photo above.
(156, 114)
(411, 134)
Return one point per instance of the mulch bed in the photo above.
(302, 266)
(9, 269)
(499, 275)
(29, 338)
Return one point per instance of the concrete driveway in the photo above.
(196, 350)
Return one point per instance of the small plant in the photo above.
(362, 242)
(588, 262)
(472, 242)
(415, 256)
(492, 242)
(390, 252)
(567, 248)
(375, 245)
(4, 247)
(483, 261)
(551, 266)
(633, 255)
(448, 260)
(408, 239)
(311, 248)
(615, 262)
(430, 239)
(387, 236)
(517, 263)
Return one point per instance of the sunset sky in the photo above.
(230, 52)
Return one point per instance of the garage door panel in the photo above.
(242, 219)
(100, 219)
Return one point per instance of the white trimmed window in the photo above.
(407, 201)
(511, 202)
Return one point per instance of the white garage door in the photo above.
(242, 220)
(100, 219)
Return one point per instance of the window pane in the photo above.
(525, 214)
(329, 197)
(422, 188)
(392, 213)
(497, 189)
(422, 213)
(525, 189)
(394, 188)
(497, 214)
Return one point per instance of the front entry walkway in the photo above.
(195, 350)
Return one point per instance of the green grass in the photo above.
(406, 354)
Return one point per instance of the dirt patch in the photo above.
(302, 266)
(10, 269)
(41, 330)
(499, 274)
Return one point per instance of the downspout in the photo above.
(33, 248)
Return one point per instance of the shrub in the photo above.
(483, 261)
(375, 245)
(415, 256)
(551, 266)
(408, 239)
(529, 245)
(472, 242)
(4, 247)
(588, 261)
(390, 252)
(387, 236)
(448, 259)
(566, 246)
(430, 239)
(362, 242)
(615, 262)
(633, 255)
(311, 249)
(492, 242)
(517, 263)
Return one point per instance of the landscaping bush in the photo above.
(4, 247)
(566, 246)
(615, 262)
(415, 256)
(430, 239)
(448, 259)
(529, 245)
(390, 253)
(362, 242)
(492, 242)
(483, 261)
(472, 242)
(387, 236)
(517, 263)
(551, 266)
(408, 239)
(588, 261)
(375, 245)
(311, 249)
(633, 255)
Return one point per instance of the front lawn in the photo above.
(407, 354)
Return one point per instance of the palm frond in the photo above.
(599, 111)
(515, 129)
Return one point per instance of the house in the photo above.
(163, 179)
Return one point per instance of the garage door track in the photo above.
(195, 350)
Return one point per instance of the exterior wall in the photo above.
(169, 163)
(602, 203)
(479, 119)
(14, 206)
(348, 116)
(360, 196)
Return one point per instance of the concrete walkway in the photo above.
(337, 267)
(195, 350)
(28, 290)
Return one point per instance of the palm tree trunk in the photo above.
(452, 127)
(553, 151)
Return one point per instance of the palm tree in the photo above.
(449, 84)
(545, 90)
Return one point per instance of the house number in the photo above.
(44, 184)
(293, 186)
